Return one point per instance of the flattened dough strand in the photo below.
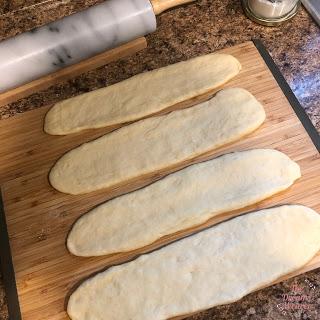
(141, 95)
(156, 143)
(181, 200)
(213, 267)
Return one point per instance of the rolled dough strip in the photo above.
(182, 200)
(213, 267)
(157, 143)
(141, 95)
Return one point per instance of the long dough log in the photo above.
(157, 143)
(182, 200)
(141, 95)
(213, 267)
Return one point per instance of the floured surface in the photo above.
(156, 143)
(182, 200)
(214, 267)
(141, 95)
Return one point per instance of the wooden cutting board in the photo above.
(39, 218)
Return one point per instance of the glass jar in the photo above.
(270, 12)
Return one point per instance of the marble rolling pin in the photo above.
(67, 41)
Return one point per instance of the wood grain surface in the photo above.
(73, 70)
(39, 217)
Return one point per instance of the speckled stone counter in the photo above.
(185, 32)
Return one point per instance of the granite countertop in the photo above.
(182, 33)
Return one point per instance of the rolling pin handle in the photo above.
(161, 5)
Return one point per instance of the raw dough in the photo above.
(157, 143)
(183, 199)
(213, 267)
(141, 95)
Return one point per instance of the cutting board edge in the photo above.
(292, 99)
(7, 269)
